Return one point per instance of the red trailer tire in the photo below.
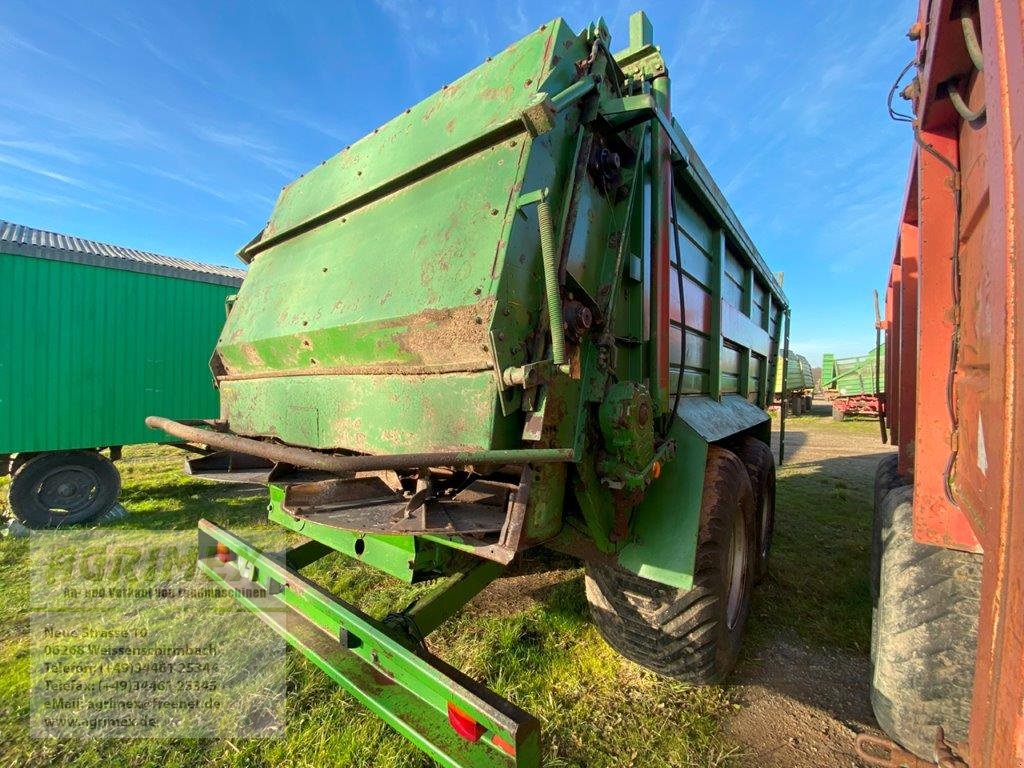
(693, 635)
(924, 633)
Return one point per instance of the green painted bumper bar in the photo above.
(455, 720)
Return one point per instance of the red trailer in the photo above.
(948, 645)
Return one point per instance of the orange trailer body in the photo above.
(955, 334)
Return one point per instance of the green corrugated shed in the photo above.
(97, 337)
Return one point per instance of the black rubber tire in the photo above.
(927, 633)
(879, 530)
(687, 634)
(37, 484)
(757, 457)
(837, 415)
(808, 403)
(887, 478)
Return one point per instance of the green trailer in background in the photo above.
(521, 313)
(798, 393)
(96, 336)
(854, 385)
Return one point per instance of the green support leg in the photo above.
(453, 592)
(300, 556)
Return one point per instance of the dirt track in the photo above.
(802, 705)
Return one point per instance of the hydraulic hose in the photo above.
(961, 106)
(971, 37)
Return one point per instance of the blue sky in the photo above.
(171, 127)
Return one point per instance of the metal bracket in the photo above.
(882, 752)
(526, 376)
(539, 116)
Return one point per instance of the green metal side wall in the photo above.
(90, 352)
(725, 298)
(851, 376)
(798, 374)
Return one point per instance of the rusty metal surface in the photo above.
(938, 519)
(328, 462)
(388, 516)
(997, 728)
(965, 440)
(371, 505)
(880, 752)
(885, 753)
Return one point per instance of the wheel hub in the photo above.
(68, 490)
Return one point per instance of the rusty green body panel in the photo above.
(394, 321)
(534, 259)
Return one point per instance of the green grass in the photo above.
(596, 709)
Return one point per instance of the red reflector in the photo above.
(503, 745)
(463, 724)
(224, 554)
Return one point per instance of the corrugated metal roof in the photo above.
(25, 241)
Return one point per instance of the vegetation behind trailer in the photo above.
(521, 313)
(97, 336)
(948, 630)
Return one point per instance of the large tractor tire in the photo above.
(53, 490)
(887, 478)
(760, 463)
(692, 635)
(926, 633)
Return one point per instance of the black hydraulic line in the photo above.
(682, 307)
(954, 350)
(899, 117)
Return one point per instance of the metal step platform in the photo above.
(376, 505)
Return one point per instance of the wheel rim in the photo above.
(68, 490)
(736, 571)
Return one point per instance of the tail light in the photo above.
(463, 724)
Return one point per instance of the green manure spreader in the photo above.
(519, 314)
